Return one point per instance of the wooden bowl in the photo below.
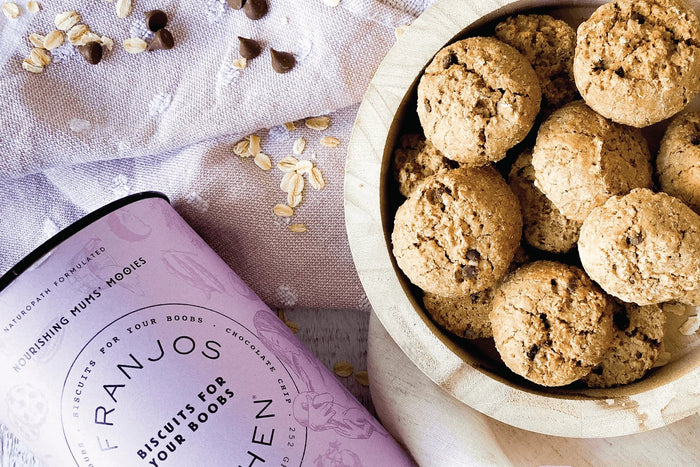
(471, 370)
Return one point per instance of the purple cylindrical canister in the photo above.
(126, 340)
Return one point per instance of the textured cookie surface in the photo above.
(678, 161)
(466, 316)
(637, 337)
(581, 159)
(643, 247)
(550, 323)
(416, 159)
(638, 62)
(545, 227)
(477, 99)
(457, 232)
(548, 44)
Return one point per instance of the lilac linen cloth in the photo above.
(78, 136)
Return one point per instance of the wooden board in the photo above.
(439, 430)
(663, 397)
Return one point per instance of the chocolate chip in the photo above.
(163, 39)
(248, 48)
(637, 17)
(426, 104)
(469, 271)
(282, 62)
(91, 52)
(236, 4)
(450, 163)
(545, 321)
(597, 370)
(694, 140)
(473, 255)
(635, 239)
(156, 20)
(620, 72)
(449, 60)
(255, 9)
(621, 321)
(532, 352)
(475, 297)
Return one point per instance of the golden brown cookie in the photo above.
(416, 159)
(548, 44)
(637, 343)
(581, 159)
(550, 323)
(465, 316)
(643, 247)
(638, 61)
(457, 232)
(678, 161)
(545, 227)
(477, 99)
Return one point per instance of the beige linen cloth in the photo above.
(78, 136)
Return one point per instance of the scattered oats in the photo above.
(332, 3)
(343, 369)
(239, 63)
(287, 164)
(53, 39)
(286, 179)
(282, 210)
(290, 126)
(123, 8)
(37, 40)
(400, 30)
(76, 33)
(663, 359)
(254, 148)
(107, 42)
(330, 142)
(296, 184)
(362, 377)
(33, 7)
(31, 67)
(304, 166)
(293, 200)
(263, 161)
(316, 179)
(39, 57)
(292, 325)
(11, 10)
(318, 123)
(676, 308)
(66, 20)
(299, 146)
(241, 147)
(298, 228)
(135, 45)
(690, 327)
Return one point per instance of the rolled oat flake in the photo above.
(127, 341)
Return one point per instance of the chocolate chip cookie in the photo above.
(457, 232)
(476, 99)
(678, 161)
(643, 247)
(548, 44)
(415, 159)
(550, 323)
(465, 316)
(638, 61)
(581, 159)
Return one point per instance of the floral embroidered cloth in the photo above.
(78, 136)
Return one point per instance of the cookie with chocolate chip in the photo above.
(415, 159)
(457, 232)
(551, 324)
(643, 247)
(678, 161)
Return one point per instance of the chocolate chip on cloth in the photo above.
(643, 247)
(457, 232)
(550, 323)
(91, 52)
(255, 9)
(163, 39)
(282, 62)
(236, 4)
(156, 20)
(248, 48)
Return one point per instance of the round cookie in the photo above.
(581, 159)
(457, 232)
(548, 44)
(466, 316)
(415, 159)
(545, 227)
(637, 336)
(638, 62)
(643, 247)
(477, 99)
(678, 161)
(550, 323)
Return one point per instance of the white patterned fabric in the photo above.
(78, 136)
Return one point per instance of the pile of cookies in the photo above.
(561, 113)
